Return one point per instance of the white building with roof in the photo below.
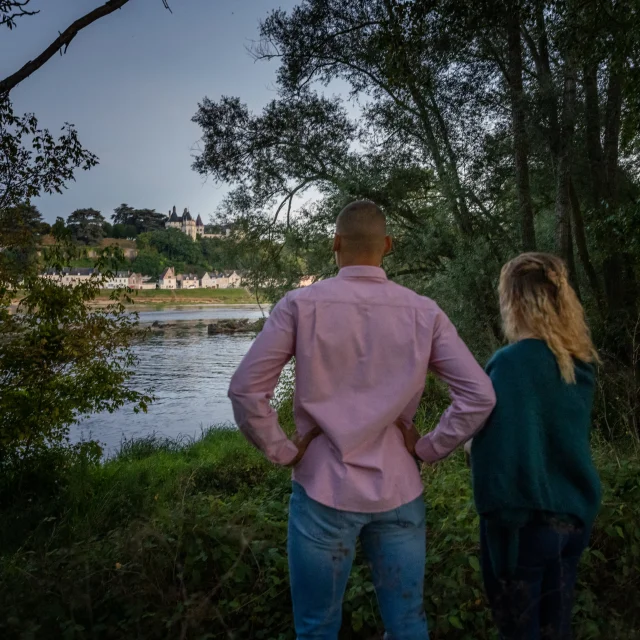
(70, 276)
(118, 280)
(187, 281)
(168, 279)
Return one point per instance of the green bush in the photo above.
(188, 540)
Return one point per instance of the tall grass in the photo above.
(186, 539)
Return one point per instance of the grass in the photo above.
(188, 296)
(186, 539)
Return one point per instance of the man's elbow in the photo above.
(236, 388)
(487, 397)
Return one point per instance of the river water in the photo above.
(189, 375)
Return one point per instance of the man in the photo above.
(363, 346)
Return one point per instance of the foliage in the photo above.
(172, 248)
(185, 539)
(172, 243)
(34, 161)
(137, 220)
(481, 129)
(60, 358)
(20, 229)
(85, 225)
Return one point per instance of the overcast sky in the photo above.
(131, 83)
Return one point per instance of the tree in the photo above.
(173, 244)
(20, 229)
(85, 225)
(59, 228)
(143, 220)
(473, 118)
(35, 161)
(61, 358)
(149, 263)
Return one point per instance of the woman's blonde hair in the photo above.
(536, 300)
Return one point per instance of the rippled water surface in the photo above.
(189, 374)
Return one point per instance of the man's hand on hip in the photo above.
(302, 443)
(410, 436)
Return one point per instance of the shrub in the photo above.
(188, 541)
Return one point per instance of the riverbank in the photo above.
(178, 297)
(187, 296)
(187, 540)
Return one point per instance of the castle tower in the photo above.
(188, 224)
(174, 221)
(199, 226)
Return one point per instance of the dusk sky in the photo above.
(131, 83)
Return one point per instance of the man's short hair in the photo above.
(363, 227)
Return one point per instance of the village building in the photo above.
(70, 276)
(214, 280)
(234, 279)
(148, 283)
(135, 281)
(221, 280)
(208, 281)
(118, 280)
(187, 281)
(168, 279)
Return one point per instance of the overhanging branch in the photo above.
(63, 40)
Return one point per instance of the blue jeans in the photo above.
(322, 545)
(535, 603)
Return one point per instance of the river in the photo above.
(189, 375)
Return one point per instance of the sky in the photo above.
(131, 83)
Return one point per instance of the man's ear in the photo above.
(336, 243)
(388, 245)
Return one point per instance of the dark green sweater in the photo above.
(533, 459)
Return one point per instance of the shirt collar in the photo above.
(362, 271)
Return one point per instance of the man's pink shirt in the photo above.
(362, 346)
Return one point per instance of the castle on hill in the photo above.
(193, 228)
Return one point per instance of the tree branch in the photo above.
(19, 10)
(63, 40)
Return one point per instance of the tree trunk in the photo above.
(571, 265)
(563, 173)
(583, 250)
(547, 86)
(592, 133)
(613, 118)
(452, 164)
(518, 126)
(446, 173)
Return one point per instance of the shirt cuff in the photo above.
(425, 450)
(286, 454)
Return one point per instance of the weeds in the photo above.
(187, 540)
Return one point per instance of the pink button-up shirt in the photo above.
(363, 346)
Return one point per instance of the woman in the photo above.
(535, 486)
